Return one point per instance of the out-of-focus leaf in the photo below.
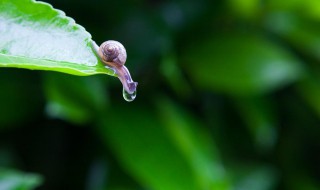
(97, 175)
(255, 178)
(309, 88)
(240, 64)
(302, 182)
(173, 76)
(14, 180)
(301, 33)
(285, 5)
(308, 8)
(246, 8)
(259, 116)
(195, 144)
(73, 98)
(33, 35)
(20, 97)
(145, 150)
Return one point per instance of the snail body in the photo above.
(114, 55)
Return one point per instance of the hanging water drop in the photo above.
(129, 97)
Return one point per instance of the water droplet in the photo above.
(127, 96)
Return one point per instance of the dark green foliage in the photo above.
(228, 98)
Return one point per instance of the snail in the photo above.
(114, 55)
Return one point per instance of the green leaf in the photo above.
(309, 9)
(14, 180)
(240, 64)
(76, 99)
(246, 9)
(260, 117)
(166, 152)
(301, 33)
(309, 89)
(145, 150)
(35, 36)
(173, 75)
(194, 142)
(255, 177)
(18, 109)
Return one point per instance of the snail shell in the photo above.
(113, 52)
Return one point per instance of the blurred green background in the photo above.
(228, 99)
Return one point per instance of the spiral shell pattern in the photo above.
(113, 51)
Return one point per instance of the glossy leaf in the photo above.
(35, 36)
(240, 64)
